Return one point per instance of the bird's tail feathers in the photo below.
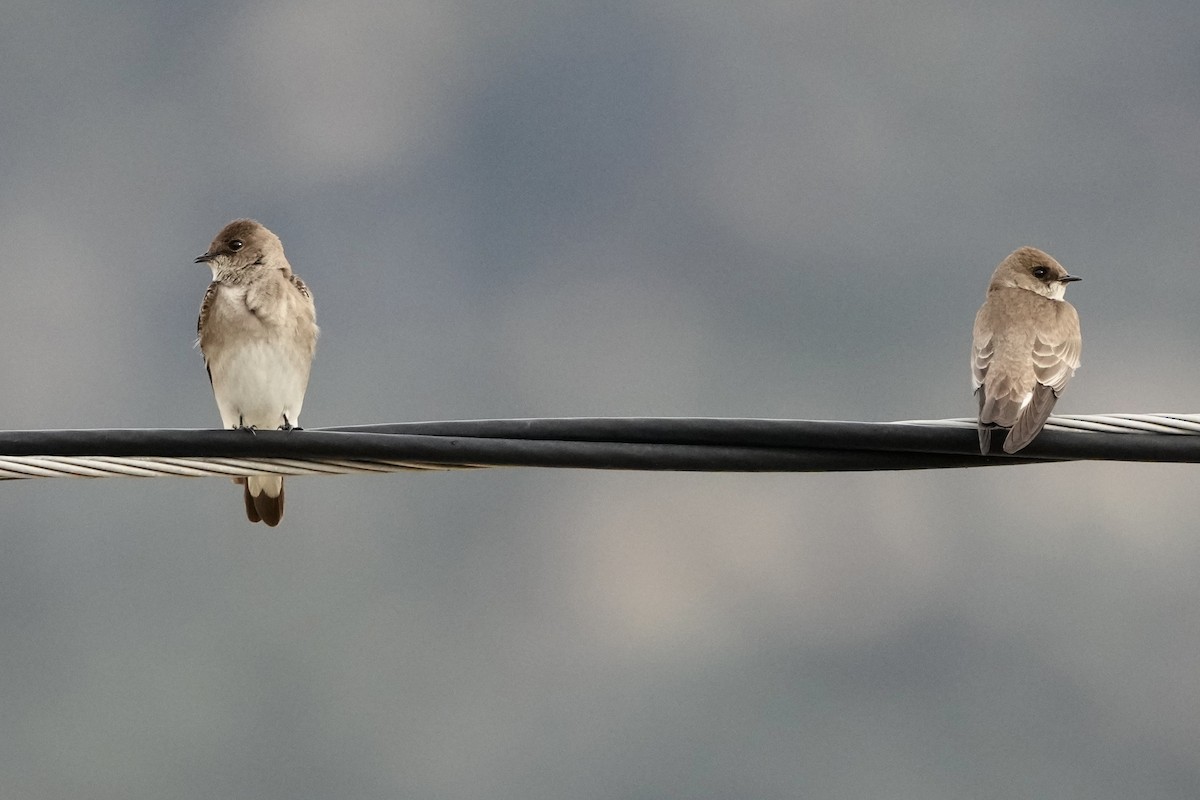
(985, 438)
(263, 496)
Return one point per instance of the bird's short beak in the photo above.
(204, 259)
(1064, 279)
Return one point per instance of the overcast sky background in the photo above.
(637, 207)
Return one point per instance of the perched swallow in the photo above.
(257, 330)
(1026, 347)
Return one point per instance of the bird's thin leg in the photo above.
(288, 426)
(242, 426)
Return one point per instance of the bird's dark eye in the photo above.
(238, 244)
(1040, 272)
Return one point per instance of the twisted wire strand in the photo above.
(655, 443)
(20, 467)
(1100, 423)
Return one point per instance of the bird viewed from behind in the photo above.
(1025, 349)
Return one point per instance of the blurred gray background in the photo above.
(637, 207)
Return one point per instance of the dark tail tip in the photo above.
(263, 508)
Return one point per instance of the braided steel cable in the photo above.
(661, 443)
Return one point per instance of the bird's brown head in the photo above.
(1033, 270)
(243, 245)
